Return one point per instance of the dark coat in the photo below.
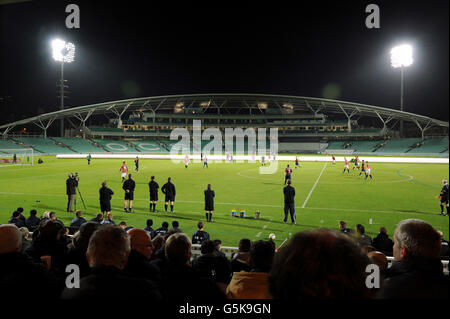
(168, 189)
(216, 268)
(16, 221)
(415, 278)
(138, 266)
(289, 194)
(153, 187)
(71, 184)
(383, 243)
(77, 221)
(105, 194)
(209, 199)
(32, 223)
(200, 236)
(110, 282)
(151, 231)
(19, 272)
(129, 184)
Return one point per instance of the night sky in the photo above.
(313, 48)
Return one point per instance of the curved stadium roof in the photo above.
(230, 104)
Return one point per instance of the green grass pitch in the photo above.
(398, 191)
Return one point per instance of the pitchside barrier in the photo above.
(257, 158)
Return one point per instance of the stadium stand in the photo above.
(6, 144)
(398, 146)
(116, 146)
(149, 146)
(44, 145)
(79, 145)
(439, 146)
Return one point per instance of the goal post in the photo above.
(13, 157)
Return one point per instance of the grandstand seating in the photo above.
(149, 146)
(438, 146)
(364, 146)
(79, 145)
(44, 145)
(8, 144)
(114, 146)
(398, 146)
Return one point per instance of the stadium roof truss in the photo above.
(228, 106)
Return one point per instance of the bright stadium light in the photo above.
(401, 57)
(63, 52)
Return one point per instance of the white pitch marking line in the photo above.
(314, 186)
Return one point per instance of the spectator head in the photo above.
(169, 179)
(33, 212)
(152, 178)
(165, 224)
(178, 249)
(299, 270)
(441, 234)
(208, 247)
(10, 239)
(16, 214)
(109, 216)
(99, 217)
(360, 229)
(78, 213)
(20, 210)
(84, 233)
(149, 222)
(52, 215)
(170, 232)
(444, 181)
(244, 245)
(25, 232)
(289, 182)
(108, 246)
(129, 176)
(123, 225)
(46, 215)
(200, 225)
(342, 224)
(50, 230)
(175, 224)
(141, 242)
(379, 259)
(104, 183)
(218, 244)
(416, 238)
(261, 255)
(158, 242)
(383, 230)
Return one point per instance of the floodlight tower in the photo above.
(401, 57)
(63, 52)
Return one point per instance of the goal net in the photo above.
(11, 157)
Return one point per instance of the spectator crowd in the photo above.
(158, 264)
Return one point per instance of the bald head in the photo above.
(10, 239)
(141, 242)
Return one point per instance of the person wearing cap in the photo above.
(289, 204)
(443, 196)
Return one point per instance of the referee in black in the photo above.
(153, 188)
(209, 203)
(289, 205)
(168, 189)
(105, 198)
(128, 186)
(444, 197)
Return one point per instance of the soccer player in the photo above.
(346, 166)
(89, 158)
(205, 162)
(186, 161)
(296, 162)
(363, 168)
(128, 186)
(153, 188)
(368, 171)
(209, 203)
(168, 189)
(444, 197)
(357, 161)
(333, 159)
(288, 172)
(136, 163)
(124, 170)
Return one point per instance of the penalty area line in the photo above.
(314, 186)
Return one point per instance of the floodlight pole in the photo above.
(62, 98)
(401, 98)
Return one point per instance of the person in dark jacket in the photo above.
(210, 265)
(107, 254)
(105, 198)
(15, 219)
(417, 271)
(163, 229)
(200, 235)
(71, 185)
(98, 218)
(20, 210)
(209, 203)
(182, 282)
(17, 270)
(444, 246)
(32, 222)
(78, 220)
(128, 186)
(150, 229)
(289, 203)
(362, 238)
(153, 189)
(343, 228)
(168, 189)
(383, 243)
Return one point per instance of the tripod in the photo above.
(81, 199)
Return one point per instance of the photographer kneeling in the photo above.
(71, 185)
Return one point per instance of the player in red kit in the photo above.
(368, 171)
(333, 159)
(346, 166)
(124, 170)
(288, 172)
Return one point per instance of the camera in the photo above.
(75, 175)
